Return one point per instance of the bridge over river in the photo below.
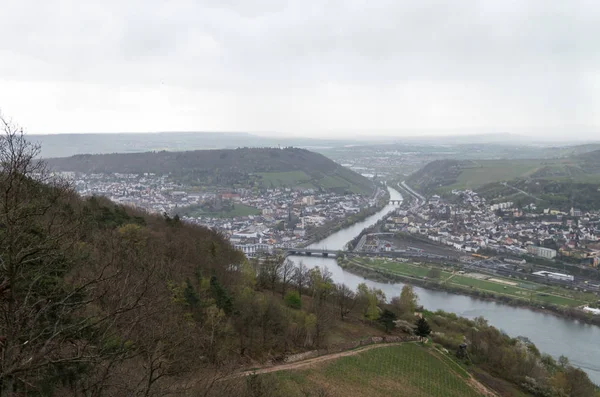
(383, 254)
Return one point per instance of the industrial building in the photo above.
(555, 276)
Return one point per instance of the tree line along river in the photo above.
(556, 336)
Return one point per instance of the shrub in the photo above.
(292, 299)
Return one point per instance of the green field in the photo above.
(403, 370)
(318, 180)
(445, 175)
(487, 171)
(289, 179)
(239, 209)
(522, 289)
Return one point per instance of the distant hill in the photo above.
(563, 182)
(245, 167)
(64, 145)
(459, 174)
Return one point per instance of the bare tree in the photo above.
(51, 323)
(345, 299)
(286, 274)
(301, 277)
(322, 287)
(269, 272)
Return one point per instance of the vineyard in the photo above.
(405, 370)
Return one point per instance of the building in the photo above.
(435, 199)
(308, 200)
(515, 261)
(250, 250)
(591, 310)
(555, 276)
(501, 206)
(542, 252)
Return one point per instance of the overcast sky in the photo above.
(301, 67)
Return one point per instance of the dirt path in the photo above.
(311, 361)
(474, 383)
(449, 278)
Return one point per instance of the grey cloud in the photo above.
(508, 51)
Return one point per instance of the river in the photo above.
(554, 335)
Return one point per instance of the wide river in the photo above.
(553, 335)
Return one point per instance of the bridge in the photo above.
(310, 252)
(388, 254)
(395, 202)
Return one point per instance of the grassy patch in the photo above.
(404, 370)
(482, 172)
(522, 289)
(238, 209)
(400, 268)
(288, 179)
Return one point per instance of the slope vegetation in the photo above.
(245, 167)
(402, 370)
(561, 182)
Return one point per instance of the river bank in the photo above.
(387, 277)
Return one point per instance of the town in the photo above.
(467, 223)
(254, 220)
(267, 219)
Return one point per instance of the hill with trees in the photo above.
(559, 182)
(244, 167)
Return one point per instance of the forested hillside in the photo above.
(245, 167)
(102, 300)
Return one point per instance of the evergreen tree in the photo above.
(387, 318)
(423, 329)
(221, 296)
(190, 295)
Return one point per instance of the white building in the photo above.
(250, 250)
(591, 310)
(435, 199)
(308, 200)
(543, 252)
(555, 276)
(501, 206)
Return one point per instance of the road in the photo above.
(404, 186)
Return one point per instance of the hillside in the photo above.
(580, 173)
(245, 167)
(408, 369)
